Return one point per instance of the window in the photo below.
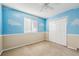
(27, 25)
(30, 25)
(34, 26)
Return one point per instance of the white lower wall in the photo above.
(13, 41)
(1, 46)
(73, 41)
(47, 36)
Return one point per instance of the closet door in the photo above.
(57, 31)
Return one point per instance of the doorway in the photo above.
(57, 31)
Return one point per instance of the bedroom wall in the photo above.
(13, 28)
(73, 17)
(1, 29)
(72, 26)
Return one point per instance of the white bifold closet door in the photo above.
(57, 31)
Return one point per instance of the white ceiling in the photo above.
(34, 8)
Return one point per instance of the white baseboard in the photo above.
(1, 52)
(72, 48)
(20, 45)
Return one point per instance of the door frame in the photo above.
(65, 32)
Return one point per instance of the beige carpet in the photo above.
(43, 48)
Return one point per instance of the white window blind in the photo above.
(27, 25)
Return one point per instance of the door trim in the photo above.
(66, 28)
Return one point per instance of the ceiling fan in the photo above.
(46, 6)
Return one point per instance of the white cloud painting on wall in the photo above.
(13, 22)
(75, 22)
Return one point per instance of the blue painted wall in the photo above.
(0, 20)
(72, 21)
(41, 25)
(13, 21)
(17, 17)
(10, 19)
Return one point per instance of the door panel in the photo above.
(57, 31)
